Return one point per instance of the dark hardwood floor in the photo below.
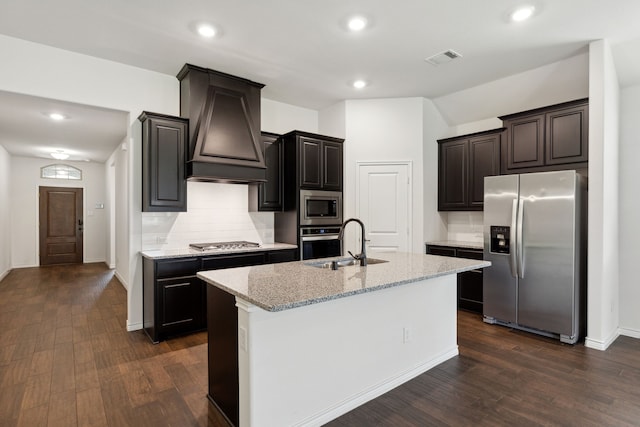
(67, 360)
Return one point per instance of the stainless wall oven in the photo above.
(319, 242)
(319, 207)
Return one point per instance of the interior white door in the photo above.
(384, 205)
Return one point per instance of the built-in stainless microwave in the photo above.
(319, 207)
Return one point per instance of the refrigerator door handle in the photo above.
(519, 238)
(512, 237)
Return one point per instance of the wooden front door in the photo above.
(60, 225)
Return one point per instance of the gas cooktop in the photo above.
(223, 246)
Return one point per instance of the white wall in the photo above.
(278, 117)
(110, 181)
(433, 128)
(39, 70)
(215, 213)
(24, 208)
(333, 120)
(385, 130)
(551, 84)
(629, 208)
(603, 268)
(5, 214)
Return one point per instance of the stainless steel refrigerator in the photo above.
(535, 237)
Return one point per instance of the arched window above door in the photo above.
(60, 171)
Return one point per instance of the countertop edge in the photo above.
(311, 301)
(188, 253)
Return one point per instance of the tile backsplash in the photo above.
(465, 226)
(215, 212)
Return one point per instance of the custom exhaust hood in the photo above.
(224, 126)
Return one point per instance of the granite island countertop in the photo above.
(277, 287)
(188, 252)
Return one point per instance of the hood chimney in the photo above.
(224, 126)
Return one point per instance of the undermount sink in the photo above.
(343, 262)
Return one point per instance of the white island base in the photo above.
(311, 364)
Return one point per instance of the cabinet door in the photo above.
(452, 175)
(332, 166)
(269, 193)
(181, 304)
(470, 283)
(310, 162)
(525, 142)
(567, 135)
(164, 187)
(484, 160)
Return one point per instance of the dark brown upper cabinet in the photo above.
(463, 162)
(550, 138)
(267, 196)
(164, 188)
(224, 126)
(318, 159)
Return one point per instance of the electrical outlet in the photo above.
(407, 335)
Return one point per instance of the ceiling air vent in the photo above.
(443, 57)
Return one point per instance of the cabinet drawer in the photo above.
(441, 250)
(229, 261)
(470, 253)
(177, 267)
(285, 255)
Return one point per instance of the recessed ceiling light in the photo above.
(206, 30)
(59, 155)
(522, 13)
(357, 23)
(359, 84)
(57, 116)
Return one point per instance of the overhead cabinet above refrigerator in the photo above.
(535, 238)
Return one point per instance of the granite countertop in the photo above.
(277, 287)
(187, 252)
(457, 244)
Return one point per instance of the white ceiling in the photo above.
(87, 134)
(300, 50)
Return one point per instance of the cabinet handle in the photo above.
(475, 271)
(177, 285)
(176, 322)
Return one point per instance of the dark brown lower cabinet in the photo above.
(174, 299)
(222, 338)
(469, 282)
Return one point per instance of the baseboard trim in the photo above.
(601, 345)
(375, 391)
(134, 326)
(3, 275)
(628, 332)
(121, 280)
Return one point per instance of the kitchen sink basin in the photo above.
(343, 262)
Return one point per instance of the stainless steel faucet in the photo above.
(362, 256)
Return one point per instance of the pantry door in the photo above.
(61, 227)
(383, 193)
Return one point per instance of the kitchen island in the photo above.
(296, 344)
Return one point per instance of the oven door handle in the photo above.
(316, 238)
